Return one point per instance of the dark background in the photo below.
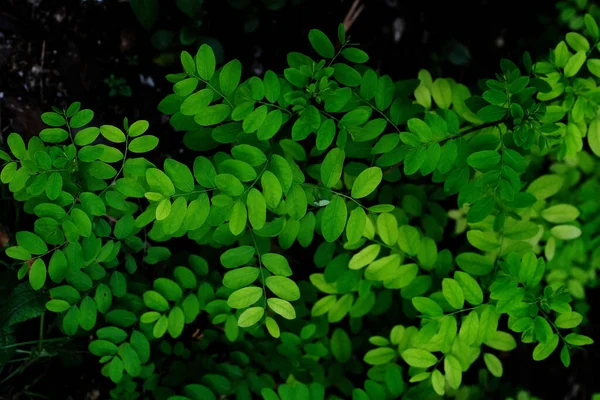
(55, 52)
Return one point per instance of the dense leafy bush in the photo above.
(319, 204)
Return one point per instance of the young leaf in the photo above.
(321, 43)
(366, 182)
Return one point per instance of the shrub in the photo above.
(322, 259)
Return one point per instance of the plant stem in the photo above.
(41, 332)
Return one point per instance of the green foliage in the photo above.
(351, 166)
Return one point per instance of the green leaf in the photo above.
(427, 306)
(249, 154)
(387, 228)
(102, 348)
(421, 129)
(54, 135)
(366, 182)
(493, 364)
(591, 26)
(115, 370)
(295, 77)
(334, 219)
(272, 86)
(57, 306)
(355, 55)
(83, 222)
(70, 321)
(229, 184)
(484, 159)
(543, 350)
(414, 160)
(18, 253)
(379, 356)
(180, 175)
(346, 75)
(565, 356)
(474, 264)
(205, 62)
(471, 289)
(321, 43)
(364, 257)
(502, 341)
(442, 93)
(384, 93)
(282, 307)
(566, 232)
(577, 41)
(112, 334)
(163, 209)
(188, 63)
(545, 186)
(276, 263)
(409, 239)
(255, 120)
(419, 358)
(480, 209)
(271, 125)
(356, 225)
(92, 204)
(159, 182)
(53, 119)
(160, 327)
(453, 370)
(283, 287)
(241, 277)
(9, 172)
(197, 102)
(296, 202)
(341, 346)
(17, 145)
(143, 144)
(578, 340)
(131, 360)
(103, 298)
(212, 115)
(197, 212)
(230, 75)
(492, 113)
(31, 242)
(331, 168)
(257, 209)
(568, 320)
(37, 274)
(250, 317)
(453, 293)
(574, 64)
(238, 218)
(54, 186)
(155, 301)
(560, 213)
(272, 190)
(112, 133)
(239, 256)
(168, 288)
(87, 313)
(176, 322)
(594, 131)
(244, 297)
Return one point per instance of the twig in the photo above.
(353, 14)
(42, 70)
